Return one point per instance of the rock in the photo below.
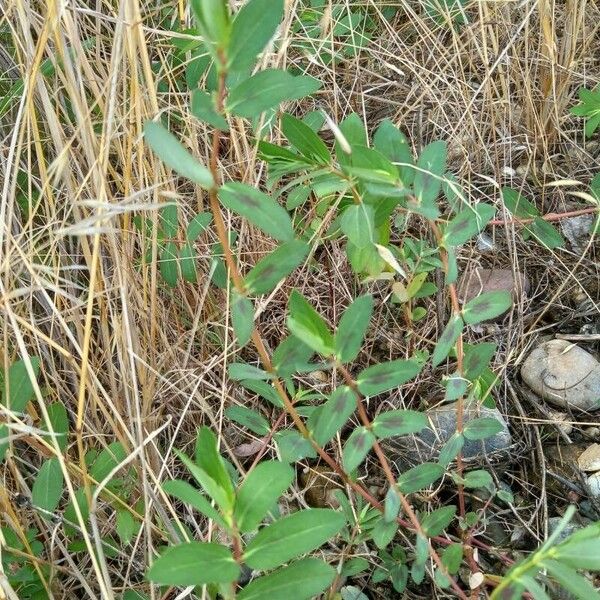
(577, 231)
(593, 484)
(578, 522)
(319, 484)
(564, 374)
(589, 459)
(476, 282)
(426, 445)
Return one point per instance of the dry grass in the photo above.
(136, 362)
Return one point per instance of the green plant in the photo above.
(357, 193)
(589, 108)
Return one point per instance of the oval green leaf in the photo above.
(386, 376)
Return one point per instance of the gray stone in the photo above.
(578, 522)
(577, 230)
(564, 374)
(426, 445)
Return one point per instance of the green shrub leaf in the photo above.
(59, 419)
(419, 477)
(187, 263)
(291, 536)
(358, 223)
(48, 486)
(267, 89)
(252, 28)
(482, 428)
(168, 148)
(242, 317)
(386, 376)
(332, 415)
(188, 494)
(435, 522)
(428, 178)
(352, 328)
(447, 340)
(271, 269)
(308, 326)
(194, 563)
(259, 493)
(468, 223)
(398, 422)
(249, 418)
(356, 448)
(488, 305)
(301, 580)
(203, 108)
(305, 140)
(293, 447)
(261, 210)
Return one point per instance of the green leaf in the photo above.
(48, 486)
(291, 356)
(451, 449)
(352, 328)
(482, 428)
(301, 580)
(197, 225)
(168, 221)
(478, 479)
(211, 462)
(107, 461)
(249, 418)
(428, 179)
(477, 358)
(571, 580)
(518, 205)
(468, 223)
(242, 317)
(214, 489)
(456, 386)
(168, 264)
(126, 526)
(17, 390)
(213, 20)
(435, 522)
(452, 557)
(59, 419)
(332, 415)
(239, 371)
(384, 532)
(194, 563)
(259, 493)
(291, 536)
(545, 233)
(447, 340)
(261, 210)
(398, 422)
(305, 140)
(308, 326)
(188, 494)
(253, 26)
(203, 108)
(168, 148)
(358, 223)
(486, 306)
(293, 447)
(356, 448)
(271, 269)
(392, 143)
(391, 505)
(386, 376)
(263, 389)
(187, 263)
(419, 477)
(267, 89)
